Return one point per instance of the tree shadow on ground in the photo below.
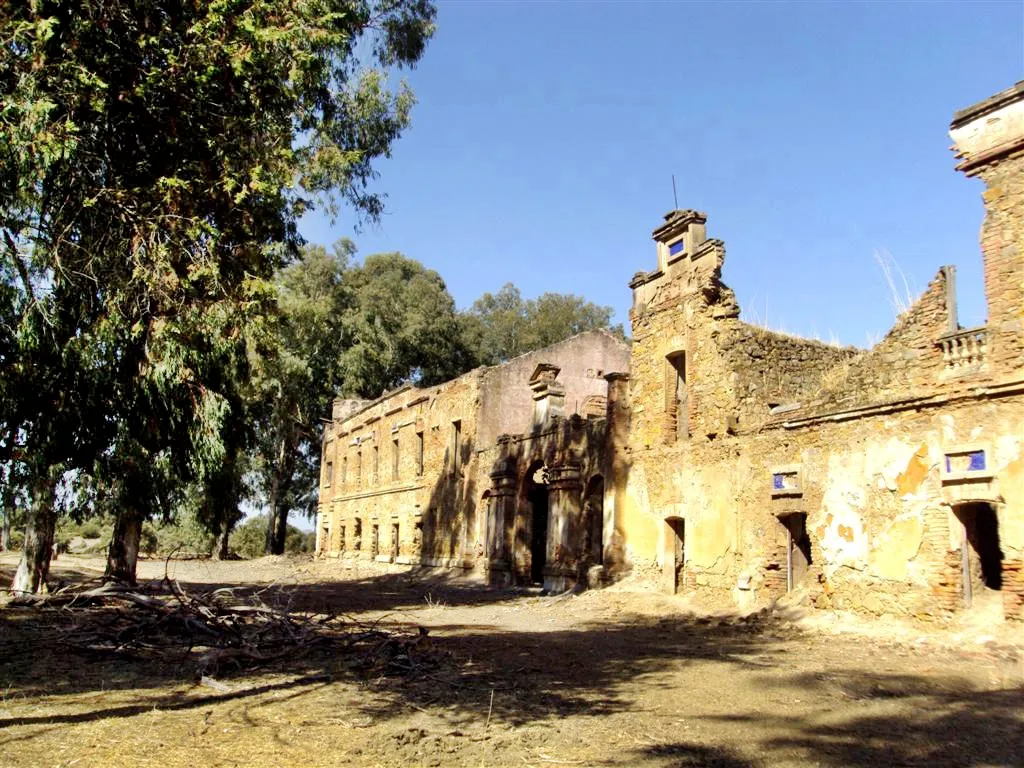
(949, 727)
(538, 677)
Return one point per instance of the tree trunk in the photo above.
(34, 566)
(5, 527)
(220, 546)
(277, 519)
(123, 554)
(281, 530)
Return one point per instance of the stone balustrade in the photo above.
(964, 349)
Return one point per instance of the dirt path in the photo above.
(609, 678)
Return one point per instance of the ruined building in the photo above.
(488, 471)
(732, 462)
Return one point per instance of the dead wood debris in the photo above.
(219, 632)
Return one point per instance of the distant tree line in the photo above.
(168, 347)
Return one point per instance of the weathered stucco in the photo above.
(731, 461)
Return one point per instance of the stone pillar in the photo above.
(565, 515)
(501, 511)
(616, 471)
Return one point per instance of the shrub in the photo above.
(248, 540)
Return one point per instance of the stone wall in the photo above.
(884, 456)
(877, 512)
(376, 477)
(731, 462)
(989, 139)
(505, 398)
(374, 485)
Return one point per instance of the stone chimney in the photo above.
(548, 395)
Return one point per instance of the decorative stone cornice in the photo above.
(676, 221)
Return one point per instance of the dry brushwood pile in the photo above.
(221, 632)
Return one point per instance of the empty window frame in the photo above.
(328, 473)
(394, 458)
(677, 415)
(456, 446)
(419, 454)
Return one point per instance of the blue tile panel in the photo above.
(977, 461)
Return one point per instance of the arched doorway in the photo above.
(593, 521)
(536, 487)
(981, 554)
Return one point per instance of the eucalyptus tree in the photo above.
(343, 329)
(155, 156)
(499, 326)
(297, 373)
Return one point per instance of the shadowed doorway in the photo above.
(798, 548)
(537, 496)
(981, 554)
(676, 553)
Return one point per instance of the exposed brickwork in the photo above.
(720, 432)
(860, 436)
(438, 504)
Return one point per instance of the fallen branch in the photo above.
(219, 631)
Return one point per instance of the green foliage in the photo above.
(154, 160)
(17, 539)
(247, 540)
(90, 530)
(402, 325)
(501, 326)
(343, 329)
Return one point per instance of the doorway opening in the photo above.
(677, 551)
(537, 496)
(593, 521)
(981, 555)
(798, 547)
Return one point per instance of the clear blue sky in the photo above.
(812, 134)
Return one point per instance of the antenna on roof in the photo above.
(675, 198)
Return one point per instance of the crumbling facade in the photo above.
(407, 478)
(731, 462)
(888, 481)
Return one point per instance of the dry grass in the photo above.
(613, 678)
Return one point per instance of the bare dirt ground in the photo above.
(616, 677)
